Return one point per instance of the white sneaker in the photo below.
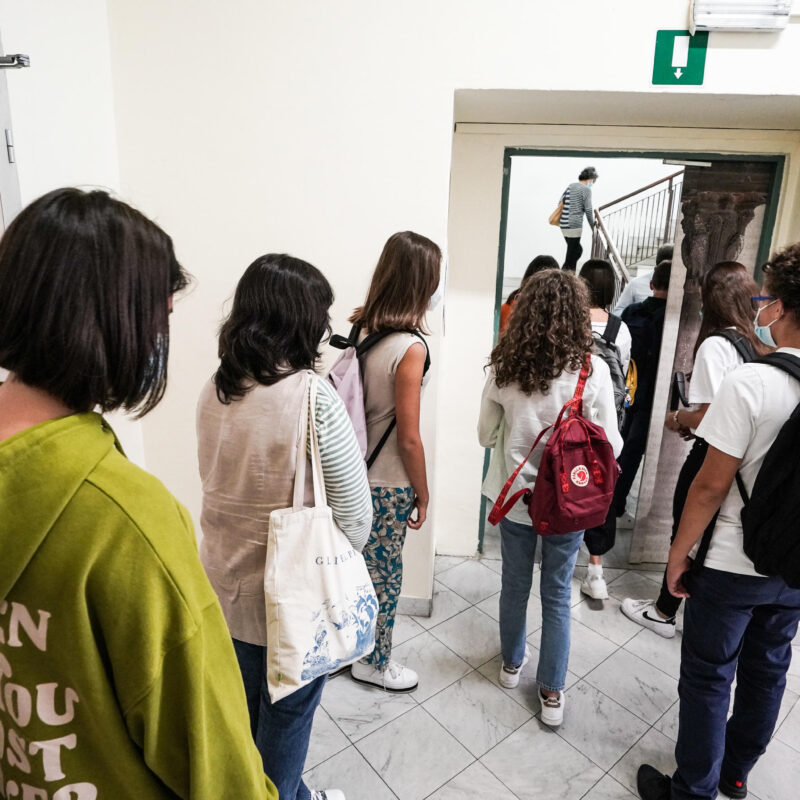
(626, 522)
(644, 612)
(509, 676)
(594, 585)
(395, 678)
(552, 709)
(328, 794)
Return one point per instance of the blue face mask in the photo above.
(763, 331)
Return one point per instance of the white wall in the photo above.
(319, 129)
(62, 110)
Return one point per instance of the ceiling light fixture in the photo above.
(682, 163)
(739, 15)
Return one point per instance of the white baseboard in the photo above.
(415, 606)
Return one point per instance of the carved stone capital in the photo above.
(713, 226)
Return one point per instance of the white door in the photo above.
(9, 184)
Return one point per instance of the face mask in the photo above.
(436, 298)
(438, 295)
(763, 331)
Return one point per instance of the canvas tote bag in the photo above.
(321, 605)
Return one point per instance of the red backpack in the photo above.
(577, 474)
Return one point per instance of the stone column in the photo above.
(714, 224)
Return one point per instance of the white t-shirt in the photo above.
(636, 291)
(510, 421)
(623, 342)
(753, 403)
(715, 358)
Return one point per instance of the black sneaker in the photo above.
(735, 789)
(652, 784)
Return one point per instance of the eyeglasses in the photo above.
(762, 297)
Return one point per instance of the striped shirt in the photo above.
(343, 467)
(577, 203)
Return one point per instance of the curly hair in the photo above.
(550, 331)
(782, 277)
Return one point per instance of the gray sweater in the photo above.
(577, 202)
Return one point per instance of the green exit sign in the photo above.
(680, 58)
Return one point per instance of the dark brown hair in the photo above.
(549, 332)
(661, 274)
(85, 282)
(538, 264)
(278, 319)
(727, 289)
(601, 282)
(782, 278)
(405, 278)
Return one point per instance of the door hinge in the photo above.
(10, 146)
(15, 61)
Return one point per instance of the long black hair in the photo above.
(85, 286)
(279, 317)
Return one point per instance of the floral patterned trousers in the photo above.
(383, 554)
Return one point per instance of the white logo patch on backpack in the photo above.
(580, 475)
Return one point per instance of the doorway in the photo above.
(641, 206)
(480, 189)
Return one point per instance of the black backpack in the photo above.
(742, 345)
(645, 324)
(605, 347)
(770, 515)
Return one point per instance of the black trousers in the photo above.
(666, 603)
(574, 251)
(601, 539)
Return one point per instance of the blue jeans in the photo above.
(281, 730)
(734, 624)
(559, 554)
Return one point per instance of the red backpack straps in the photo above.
(575, 404)
(501, 506)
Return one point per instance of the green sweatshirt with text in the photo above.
(118, 677)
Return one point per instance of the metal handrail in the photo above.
(669, 178)
(615, 258)
(637, 228)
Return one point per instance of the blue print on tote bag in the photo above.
(356, 622)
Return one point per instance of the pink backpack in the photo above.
(345, 375)
(577, 474)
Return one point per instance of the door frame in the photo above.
(764, 247)
(10, 198)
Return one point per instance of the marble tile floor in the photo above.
(460, 735)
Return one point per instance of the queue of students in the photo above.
(141, 679)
